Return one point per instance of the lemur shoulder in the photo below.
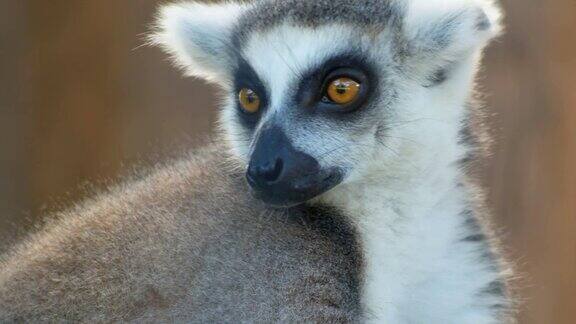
(338, 192)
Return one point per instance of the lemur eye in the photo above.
(249, 100)
(343, 91)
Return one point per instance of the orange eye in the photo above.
(249, 100)
(343, 91)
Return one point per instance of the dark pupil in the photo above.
(341, 89)
(250, 97)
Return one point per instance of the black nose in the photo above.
(281, 168)
(267, 171)
(282, 175)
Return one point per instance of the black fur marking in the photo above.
(495, 288)
(483, 23)
(470, 221)
(466, 135)
(467, 160)
(314, 83)
(475, 238)
(474, 228)
(437, 78)
(469, 138)
(498, 288)
(246, 77)
(486, 253)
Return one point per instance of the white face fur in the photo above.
(416, 77)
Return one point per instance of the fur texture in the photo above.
(185, 244)
(402, 239)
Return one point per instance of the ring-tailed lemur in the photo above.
(347, 120)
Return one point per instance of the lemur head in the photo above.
(332, 92)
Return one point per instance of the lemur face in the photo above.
(324, 93)
(308, 110)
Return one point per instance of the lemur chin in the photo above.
(337, 190)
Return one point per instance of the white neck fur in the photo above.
(412, 224)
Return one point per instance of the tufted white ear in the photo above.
(198, 37)
(445, 31)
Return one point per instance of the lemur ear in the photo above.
(198, 37)
(448, 30)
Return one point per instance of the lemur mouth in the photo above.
(294, 191)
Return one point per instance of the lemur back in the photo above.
(185, 244)
(338, 192)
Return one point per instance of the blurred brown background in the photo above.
(79, 100)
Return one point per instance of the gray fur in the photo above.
(153, 251)
(481, 235)
(360, 13)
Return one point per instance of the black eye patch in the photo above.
(246, 78)
(313, 87)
